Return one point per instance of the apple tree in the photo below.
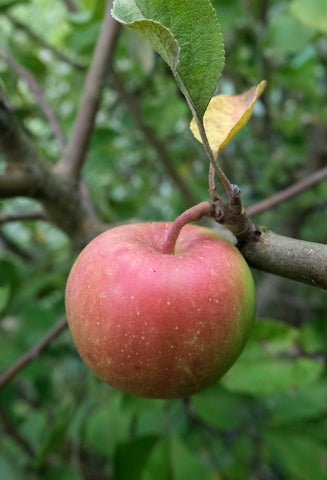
(117, 113)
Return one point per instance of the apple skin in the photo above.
(157, 325)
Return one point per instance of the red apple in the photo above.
(160, 325)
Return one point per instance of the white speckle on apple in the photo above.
(168, 303)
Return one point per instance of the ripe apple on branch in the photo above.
(163, 310)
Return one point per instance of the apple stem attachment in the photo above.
(193, 214)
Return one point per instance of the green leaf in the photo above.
(272, 375)
(185, 464)
(64, 472)
(308, 456)
(285, 35)
(187, 35)
(159, 465)
(4, 297)
(5, 5)
(107, 427)
(311, 13)
(9, 470)
(268, 364)
(297, 405)
(55, 435)
(220, 408)
(137, 452)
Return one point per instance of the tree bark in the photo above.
(288, 257)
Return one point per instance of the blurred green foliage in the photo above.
(267, 419)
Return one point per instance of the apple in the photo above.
(160, 325)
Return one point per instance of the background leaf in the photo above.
(131, 457)
(313, 13)
(265, 367)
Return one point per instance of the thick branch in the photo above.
(75, 152)
(289, 192)
(38, 94)
(34, 352)
(65, 204)
(17, 183)
(152, 139)
(295, 259)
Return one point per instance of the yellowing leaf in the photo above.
(226, 115)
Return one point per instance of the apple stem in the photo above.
(193, 214)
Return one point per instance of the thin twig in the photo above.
(289, 192)
(9, 244)
(152, 139)
(38, 94)
(33, 352)
(205, 142)
(23, 216)
(44, 44)
(71, 6)
(13, 433)
(75, 152)
(212, 183)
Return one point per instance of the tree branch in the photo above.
(17, 183)
(12, 431)
(33, 352)
(9, 244)
(75, 152)
(65, 204)
(71, 6)
(287, 257)
(38, 94)
(289, 192)
(23, 216)
(152, 139)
